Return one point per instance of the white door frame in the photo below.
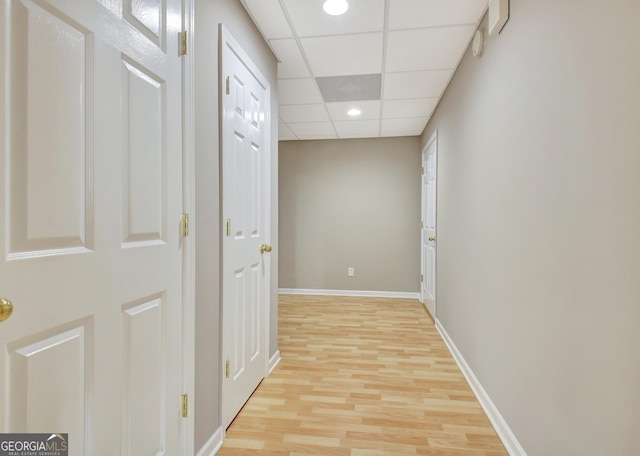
(227, 40)
(188, 195)
(433, 140)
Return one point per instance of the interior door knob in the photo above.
(265, 248)
(6, 309)
(432, 238)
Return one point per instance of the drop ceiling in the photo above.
(392, 59)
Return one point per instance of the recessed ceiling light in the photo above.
(354, 112)
(335, 7)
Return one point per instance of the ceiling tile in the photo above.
(310, 20)
(439, 48)
(292, 64)
(395, 134)
(350, 88)
(269, 17)
(313, 137)
(372, 134)
(344, 55)
(370, 110)
(420, 107)
(415, 84)
(357, 128)
(308, 129)
(404, 127)
(304, 113)
(405, 14)
(284, 132)
(298, 91)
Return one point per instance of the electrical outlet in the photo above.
(351, 272)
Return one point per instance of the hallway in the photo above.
(361, 376)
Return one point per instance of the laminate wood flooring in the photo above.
(361, 377)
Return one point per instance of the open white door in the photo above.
(428, 232)
(246, 211)
(91, 203)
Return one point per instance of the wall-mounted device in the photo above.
(498, 15)
(478, 43)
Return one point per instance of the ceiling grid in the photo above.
(411, 46)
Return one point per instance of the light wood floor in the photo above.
(361, 376)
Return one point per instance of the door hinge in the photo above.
(185, 225)
(183, 43)
(227, 369)
(421, 278)
(423, 170)
(228, 85)
(228, 227)
(421, 224)
(185, 405)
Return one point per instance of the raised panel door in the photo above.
(428, 231)
(245, 168)
(91, 200)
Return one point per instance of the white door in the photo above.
(245, 206)
(428, 232)
(90, 197)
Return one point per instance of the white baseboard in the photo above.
(273, 361)
(213, 445)
(369, 294)
(509, 440)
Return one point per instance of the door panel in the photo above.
(148, 17)
(61, 357)
(143, 342)
(245, 166)
(48, 211)
(91, 200)
(144, 160)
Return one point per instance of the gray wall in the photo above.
(350, 203)
(208, 14)
(539, 223)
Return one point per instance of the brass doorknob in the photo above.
(265, 248)
(6, 309)
(432, 238)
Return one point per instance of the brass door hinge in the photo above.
(227, 369)
(228, 86)
(185, 406)
(185, 225)
(228, 227)
(183, 43)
